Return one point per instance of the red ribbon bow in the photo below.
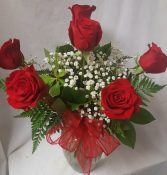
(86, 135)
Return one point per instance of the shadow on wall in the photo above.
(6, 118)
(5, 125)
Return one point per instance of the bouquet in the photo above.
(84, 89)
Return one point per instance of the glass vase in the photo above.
(73, 161)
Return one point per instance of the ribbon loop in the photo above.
(71, 119)
(94, 127)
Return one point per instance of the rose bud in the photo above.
(120, 100)
(154, 60)
(10, 55)
(25, 88)
(85, 34)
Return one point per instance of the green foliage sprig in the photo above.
(45, 72)
(42, 120)
(145, 87)
(2, 85)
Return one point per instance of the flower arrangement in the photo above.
(83, 89)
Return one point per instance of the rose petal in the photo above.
(81, 11)
(125, 115)
(91, 31)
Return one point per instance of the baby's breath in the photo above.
(96, 75)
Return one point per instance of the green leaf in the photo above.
(44, 72)
(106, 49)
(120, 132)
(55, 72)
(56, 64)
(73, 106)
(61, 81)
(130, 135)
(139, 70)
(156, 88)
(78, 53)
(86, 56)
(126, 57)
(124, 126)
(136, 61)
(120, 127)
(142, 82)
(59, 106)
(145, 83)
(2, 84)
(23, 114)
(144, 104)
(142, 117)
(73, 96)
(57, 49)
(149, 83)
(55, 90)
(152, 85)
(3, 80)
(47, 79)
(97, 47)
(61, 74)
(135, 82)
(129, 77)
(145, 91)
(46, 53)
(135, 67)
(115, 71)
(143, 97)
(66, 48)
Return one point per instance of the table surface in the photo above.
(49, 159)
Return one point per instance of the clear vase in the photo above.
(73, 161)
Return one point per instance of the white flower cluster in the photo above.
(38, 66)
(100, 72)
(91, 111)
(32, 60)
(71, 64)
(50, 59)
(136, 57)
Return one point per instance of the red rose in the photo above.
(10, 55)
(81, 11)
(120, 100)
(25, 88)
(154, 60)
(85, 34)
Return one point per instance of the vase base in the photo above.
(74, 164)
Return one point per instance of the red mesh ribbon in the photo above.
(86, 135)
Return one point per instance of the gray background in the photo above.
(130, 25)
